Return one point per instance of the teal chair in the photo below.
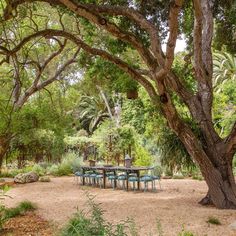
(93, 178)
(156, 175)
(87, 177)
(78, 175)
(146, 179)
(133, 179)
(99, 179)
(112, 179)
(122, 178)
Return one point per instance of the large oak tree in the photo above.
(142, 25)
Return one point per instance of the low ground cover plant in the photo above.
(213, 220)
(20, 209)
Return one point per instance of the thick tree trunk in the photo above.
(210, 155)
(217, 170)
(222, 187)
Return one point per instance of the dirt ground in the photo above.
(175, 206)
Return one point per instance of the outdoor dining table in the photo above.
(115, 169)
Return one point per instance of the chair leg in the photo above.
(133, 186)
(145, 186)
(154, 186)
(123, 185)
(93, 181)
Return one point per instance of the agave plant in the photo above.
(224, 68)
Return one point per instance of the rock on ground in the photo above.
(26, 178)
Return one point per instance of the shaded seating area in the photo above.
(119, 177)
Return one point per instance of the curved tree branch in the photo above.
(37, 87)
(90, 14)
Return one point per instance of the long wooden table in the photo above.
(115, 169)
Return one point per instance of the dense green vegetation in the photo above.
(57, 122)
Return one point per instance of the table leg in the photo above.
(83, 182)
(138, 175)
(127, 181)
(115, 182)
(104, 178)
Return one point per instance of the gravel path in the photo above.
(175, 206)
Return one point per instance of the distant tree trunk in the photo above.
(38, 157)
(4, 146)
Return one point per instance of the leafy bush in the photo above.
(39, 169)
(52, 170)
(45, 165)
(70, 164)
(93, 223)
(196, 174)
(178, 176)
(11, 173)
(64, 169)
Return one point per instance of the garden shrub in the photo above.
(70, 164)
(178, 176)
(39, 169)
(52, 170)
(11, 173)
(93, 223)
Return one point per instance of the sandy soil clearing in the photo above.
(174, 206)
